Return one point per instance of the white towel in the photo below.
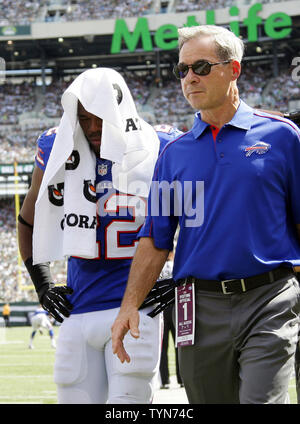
(128, 141)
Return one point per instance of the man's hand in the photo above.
(125, 321)
(54, 301)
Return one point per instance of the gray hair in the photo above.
(228, 45)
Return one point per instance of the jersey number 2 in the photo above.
(114, 249)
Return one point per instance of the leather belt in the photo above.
(239, 285)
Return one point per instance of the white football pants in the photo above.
(86, 371)
(40, 321)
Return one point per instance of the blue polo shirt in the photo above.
(235, 197)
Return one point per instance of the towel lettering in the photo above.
(81, 221)
(133, 124)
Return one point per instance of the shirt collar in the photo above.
(241, 119)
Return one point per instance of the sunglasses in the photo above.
(201, 67)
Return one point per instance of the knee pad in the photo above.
(70, 395)
(130, 389)
(70, 365)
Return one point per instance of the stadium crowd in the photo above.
(164, 101)
(25, 12)
(14, 100)
(15, 282)
(196, 5)
(107, 9)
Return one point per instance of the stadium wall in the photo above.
(20, 312)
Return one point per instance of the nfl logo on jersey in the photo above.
(102, 170)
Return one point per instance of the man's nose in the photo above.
(95, 124)
(190, 76)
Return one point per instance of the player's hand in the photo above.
(54, 301)
(123, 323)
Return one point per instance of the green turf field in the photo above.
(26, 375)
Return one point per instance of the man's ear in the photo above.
(236, 69)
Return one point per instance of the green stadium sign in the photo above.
(11, 30)
(277, 25)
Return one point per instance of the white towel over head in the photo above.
(64, 227)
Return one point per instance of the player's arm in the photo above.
(26, 217)
(146, 266)
(51, 298)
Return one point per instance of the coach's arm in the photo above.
(146, 266)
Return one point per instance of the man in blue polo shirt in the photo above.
(231, 184)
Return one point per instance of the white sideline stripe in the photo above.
(30, 353)
(19, 364)
(21, 403)
(12, 342)
(27, 376)
(28, 397)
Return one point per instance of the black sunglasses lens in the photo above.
(180, 71)
(201, 68)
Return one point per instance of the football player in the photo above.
(86, 371)
(39, 321)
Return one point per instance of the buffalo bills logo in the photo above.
(56, 194)
(260, 148)
(73, 161)
(89, 191)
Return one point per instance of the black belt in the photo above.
(239, 285)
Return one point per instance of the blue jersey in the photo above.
(166, 133)
(241, 202)
(100, 283)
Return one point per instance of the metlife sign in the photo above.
(276, 25)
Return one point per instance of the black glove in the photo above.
(293, 116)
(51, 297)
(55, 302)
(162, 294)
